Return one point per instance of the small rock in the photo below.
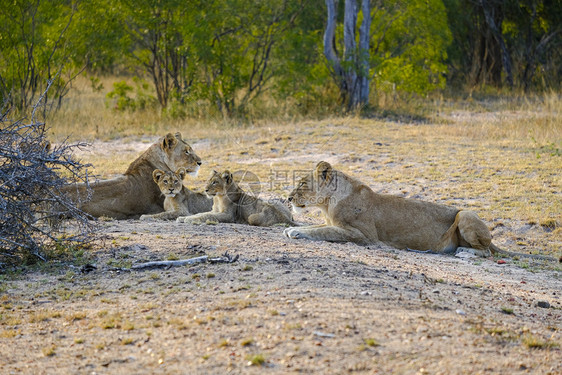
(501, 261)
(460, 312)
(543, 304)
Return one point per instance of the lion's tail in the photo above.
(496, 250)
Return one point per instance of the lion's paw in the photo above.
(464, 252)
(293, 233)
(188, 220)
(146, 218)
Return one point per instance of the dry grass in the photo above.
(86, 115)
(534, 342)
(399, 308)
(500, 157)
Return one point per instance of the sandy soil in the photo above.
(284, 306)
(300, 306)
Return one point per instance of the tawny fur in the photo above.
(232, 205)
(135, 193)
(179, 200)
(355, 213)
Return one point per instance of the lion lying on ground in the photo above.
(179, 200)
(232, 205)
(135, 193)
(355, 213)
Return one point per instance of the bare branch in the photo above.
(170, 263)
(32, 203)
(225, 258)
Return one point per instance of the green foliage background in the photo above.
(227, 53)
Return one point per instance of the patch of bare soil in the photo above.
(284, 307)
(288, 306)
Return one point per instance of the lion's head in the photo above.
(170, 153)
(170, 183)
(180, 154)
(219, 183)
(316, 188)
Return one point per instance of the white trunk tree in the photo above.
(351, 69)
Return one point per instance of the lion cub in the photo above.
(179, 200)
(232, 205)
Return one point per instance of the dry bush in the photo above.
(32, 178)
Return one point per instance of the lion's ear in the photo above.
(181, 172)
(178, 136)
(324, 170)
(157, 175)
(169, 142)
(227, 176)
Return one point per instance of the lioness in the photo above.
(232, 205)
(135, 193)
(355, 213)
(178, 200)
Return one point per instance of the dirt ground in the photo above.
(288, 306)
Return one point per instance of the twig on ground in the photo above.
(225, 258)
(322, 334)
(169, 263)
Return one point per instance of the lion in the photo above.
(179, 200)
(355, 213)
(135, 193)
(232, 205)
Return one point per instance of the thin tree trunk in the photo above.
(330, 41)
(364, 55)
(352, 76)
(506, 60)
(350, 53)
(529, 71)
